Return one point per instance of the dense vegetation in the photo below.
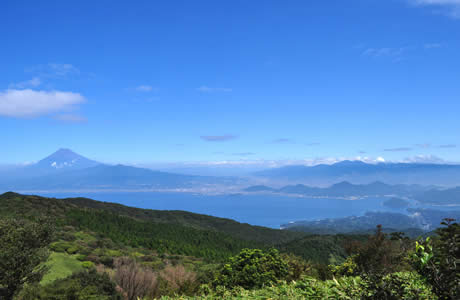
(83, 249)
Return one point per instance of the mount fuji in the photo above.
(63, 160)
(65, 169)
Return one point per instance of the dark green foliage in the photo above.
(377, 262)
(197, 221)
(438, 260)
(378, 256)
(253, 268)
(22, 249)
(171, 247)
(80, 286)
(296, 265)
(26, 206)
(325, 249)
(173, 232)
(163, 238)
(399, 285)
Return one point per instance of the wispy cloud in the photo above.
(243, 153)
(282, 141)
(30, 103)
(34, 82)
(448, 146)
(433, 45)
(384, 52)
(264, 163)
(145, 88)
(207, 89)
(399, 149)
(218, 138)
(396, 53)
(70, 118)
(63, 69)
(424, 146)
(312, 144)
(54, 70)
(424, 159)
(447, 7)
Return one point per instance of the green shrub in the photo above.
(80, 286)
(72, 249)
(87, 264)
(438, 260)
(113, 253)
(403, 285)
(297, 266)
(22, 253)
(347, 268)
(84, 236)
(60, 246)
(252, 268)
(80, 257)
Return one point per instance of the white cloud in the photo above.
(446, 146)
(384, 52)
(54, 70)
(424, 159)
(144, 88)
(449, 7)
(30, 103)
(438, 2)
(207, 89)
(34, 82)
(63, 69)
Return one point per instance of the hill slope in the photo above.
(23, 205)
(172, 232)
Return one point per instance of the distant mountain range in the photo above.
(441, 197)
(345, 189)
(65, 169)
(424, 194)
(360, 172)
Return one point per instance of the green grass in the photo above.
(61, 265)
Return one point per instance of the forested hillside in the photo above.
(79, 248)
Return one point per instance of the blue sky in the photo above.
(230, 81)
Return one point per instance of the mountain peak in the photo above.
(64, 151)
(65, 158)
(350, 163)
(342, 184)
(63, 154)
